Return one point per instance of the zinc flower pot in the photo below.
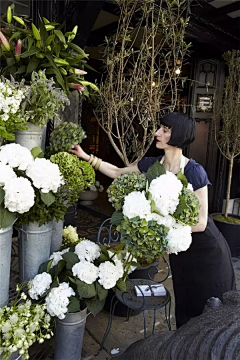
(14, 356)
(34, 248)
(87, 197)
(32, 137)
(68, 336)
(5, 263)
(231, 232)
(56, 241)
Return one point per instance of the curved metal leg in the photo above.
(154, 320)
(109, 325)
(168, 314)
(129, 311)
(144, 324)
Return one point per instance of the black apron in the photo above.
(203, 271)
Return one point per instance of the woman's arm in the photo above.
(107, 169)
(202, 195)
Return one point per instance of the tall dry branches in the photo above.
(140, 62)
(228, 135)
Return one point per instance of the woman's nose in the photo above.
(158, 132)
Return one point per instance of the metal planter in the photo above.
(68, 336)
(32, 137)
(5, 263)
(56, 236)
(34, 248)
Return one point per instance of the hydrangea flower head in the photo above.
(87, 250)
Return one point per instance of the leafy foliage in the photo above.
(65, 135)
(124, 185)
(187, 211)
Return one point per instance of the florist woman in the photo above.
(205, 269)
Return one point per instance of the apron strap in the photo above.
(182, 164)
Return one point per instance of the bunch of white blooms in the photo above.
(165, 191)
(87, 250)
(108, 274)
(10, 99)
(58, 300)
(6, 173)
(117, 261)
(22, 325)
(168, 220)
(136, 204)
(70, 233)
(45, 175)
(85, 271)
(16, 156)
(19, 195)
(39, 285)
(57, 256)
(179, 238)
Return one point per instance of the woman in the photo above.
(205, 269)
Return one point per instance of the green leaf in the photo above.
(182, 205)
(37, 152)
(155, 171)
(101, 292)
(74, 305)
(21, 70)
(57, 72)
(117, 217)
(95, 305)
(182, 178)
(43, 33)
(47, 198)
(29, 53)
(14, 36)
(60, 36)
(57, 269)
(50, 39)
(32, 65)
(121, 285)
(7, 218)
(77, 49)
(30, 42)
(85, 291)
(45, 266)
(103, 258)
(49, 264)
(71, 259)
(2, 195)
(90, 67)
(104, 250)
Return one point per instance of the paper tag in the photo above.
(150, 290)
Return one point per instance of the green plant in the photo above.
(88, 173)
(187, 211)
(124, 185)
(227, 134)
(65, 135)
(26, 48)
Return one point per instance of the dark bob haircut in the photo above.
(183, 129)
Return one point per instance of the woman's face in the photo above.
(163, 135)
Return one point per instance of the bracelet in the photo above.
(95, 160)
(91, 159)
(98, 164)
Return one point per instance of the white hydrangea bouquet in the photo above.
(159, 218)
(22, 324)
(27, 185)
(80, 277)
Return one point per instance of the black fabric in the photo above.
(205, 269)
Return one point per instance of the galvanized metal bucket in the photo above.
(32, 137)
(5, 263)
(34, 248)
(14, 356)
(68, 336)
(56, 236)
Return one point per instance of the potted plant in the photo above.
(90, 194)
(77, 176)
(27, 48)
(72, 282)
(228, 140)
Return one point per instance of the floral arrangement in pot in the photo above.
(91, 193)
(157, 217)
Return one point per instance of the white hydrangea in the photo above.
(117, 262)
(190, 187)
(45, 175)
(165, 192)
(57, 300)
(19, 195)
(39, 285)
(168, 220)
(16, 156)
(179, 238)
(87, 250)
(136, 204)
(108, 275)
(70, 233)
(6, 173)
(85, 271)
(57, 256)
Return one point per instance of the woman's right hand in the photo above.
(77, 150)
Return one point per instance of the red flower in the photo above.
(78, 87)
(4, 41)
(18, 49)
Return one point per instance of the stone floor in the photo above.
(123, 333)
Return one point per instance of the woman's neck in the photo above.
(172, 159)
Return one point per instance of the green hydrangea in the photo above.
(88, 173)
(145, 239)
(187, 211)
(65, 135)
(70, 238)
(124, 185)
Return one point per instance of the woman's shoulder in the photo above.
(146, 162)
(196, 174)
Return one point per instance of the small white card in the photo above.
(150, 290)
